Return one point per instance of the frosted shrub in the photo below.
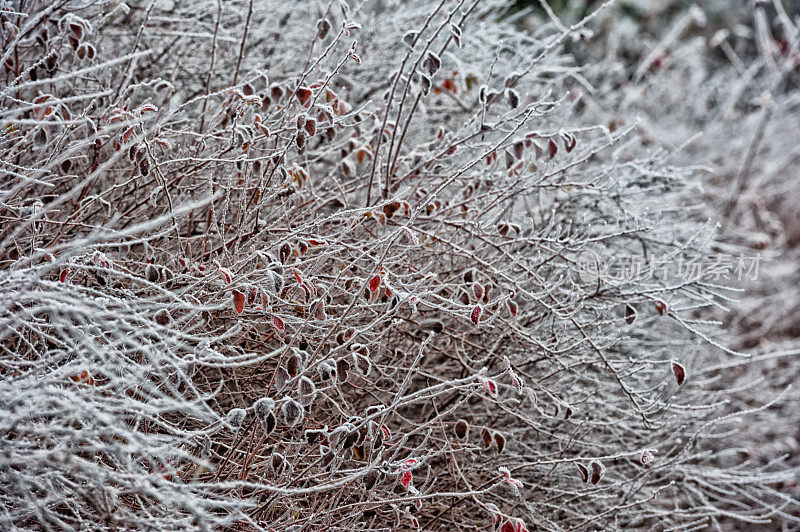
(323, 265)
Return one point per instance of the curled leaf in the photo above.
(597, 471)
(679, 371)
(292, 413)
(500, 441)
(584, 473)
(406, 478)
(630, 314)
(513, 308)
(238, 301)
(281, 378)
(263, 407)
(489, 386)
(323, 26)
(374, 283)
(303, 94)
(552, 148)
(475, 315)
(461, 429)
(486, 436)
(477, 291)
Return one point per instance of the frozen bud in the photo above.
(263, 407)
(292, 412)
(236, 418)
(511, 481)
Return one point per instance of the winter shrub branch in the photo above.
(321, 266)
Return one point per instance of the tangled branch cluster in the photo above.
(267, 267)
